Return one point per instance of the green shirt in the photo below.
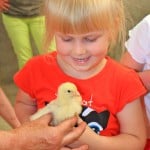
(24, 8)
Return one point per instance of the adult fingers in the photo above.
(83, 147)
(45, 119)
(74, 134)
(67, 125)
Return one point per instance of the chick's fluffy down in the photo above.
(66, 105)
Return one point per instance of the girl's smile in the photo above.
(81, 61)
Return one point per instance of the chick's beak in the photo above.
(76, 93)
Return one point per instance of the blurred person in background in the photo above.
(22, 20)
(137, 57)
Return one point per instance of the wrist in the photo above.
(16, 140)
(7, 141)
(14, 143)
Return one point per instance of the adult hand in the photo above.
(4, 5)
(37, 135)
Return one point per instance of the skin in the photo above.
(5, 106)
(83, 56)
(4, 5)
(38, 135)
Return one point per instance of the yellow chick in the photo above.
(66, 105)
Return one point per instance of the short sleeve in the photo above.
(23, 78)
(131, 89)
(138, 44)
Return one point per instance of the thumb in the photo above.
(45, 119)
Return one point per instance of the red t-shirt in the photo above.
(104, 95)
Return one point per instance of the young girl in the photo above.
(137, 57)
(84, 31)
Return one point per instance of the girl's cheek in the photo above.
(63, 51)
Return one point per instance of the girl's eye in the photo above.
(91, 39)
(66, 39)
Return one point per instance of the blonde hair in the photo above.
(83, 16)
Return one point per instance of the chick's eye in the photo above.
(69, 91)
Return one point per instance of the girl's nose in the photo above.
(79, 48)
(80, 51)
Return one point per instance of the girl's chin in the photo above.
(81, 68)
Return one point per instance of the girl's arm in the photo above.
(25, 106)
(132, 131)
(7, 111)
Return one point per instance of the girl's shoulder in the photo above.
(116, 67)
(45, 59)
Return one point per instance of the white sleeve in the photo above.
(138, 44)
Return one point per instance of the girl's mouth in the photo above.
(81, 60)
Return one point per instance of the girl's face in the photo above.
(83, 53)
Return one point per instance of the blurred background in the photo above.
(135, 11)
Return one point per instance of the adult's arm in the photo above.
(130, 62)
(7, 111)
(37, 135)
